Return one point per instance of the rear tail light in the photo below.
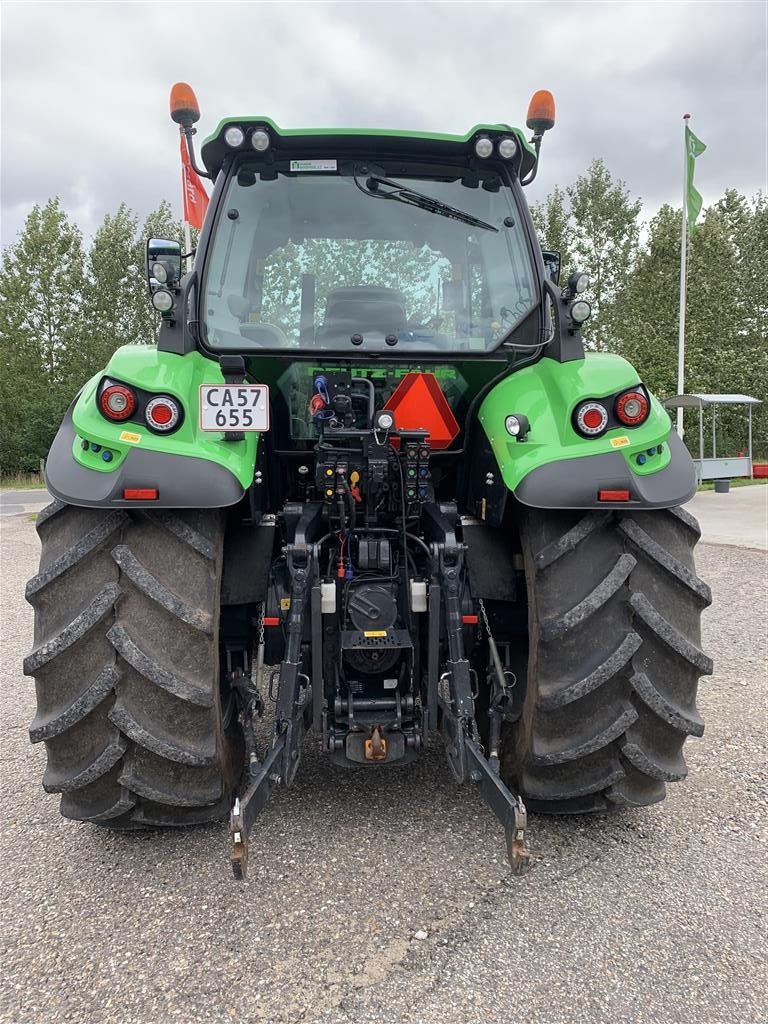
(632, 408)
(591, 419)
(613, 495)
(117, 402)
(162, 414)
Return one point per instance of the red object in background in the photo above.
(419, 404)
(760, 469)
(195, 196)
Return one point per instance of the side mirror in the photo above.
(552, 262)
(163, 264)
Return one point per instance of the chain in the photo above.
(260, 625)
(484, 617)
(507, 673)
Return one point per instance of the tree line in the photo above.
(65, 307)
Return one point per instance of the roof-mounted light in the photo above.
(484, 147)
(507, 148)
(260, 140)
(234, 136)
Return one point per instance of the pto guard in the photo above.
(189, 468)
(556, 467)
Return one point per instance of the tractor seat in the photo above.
(357, 310)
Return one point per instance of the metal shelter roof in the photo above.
(703, 401)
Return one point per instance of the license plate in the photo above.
(234, 407)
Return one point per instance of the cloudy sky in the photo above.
(85, 86)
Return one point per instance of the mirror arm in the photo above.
(567, 344)
(536, 140)
(189, 131)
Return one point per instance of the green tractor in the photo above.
(370, 480)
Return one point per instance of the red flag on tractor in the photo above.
(195, 196)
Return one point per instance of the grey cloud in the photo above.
(85, 87)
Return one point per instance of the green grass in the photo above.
(741, 481)
(21, 481)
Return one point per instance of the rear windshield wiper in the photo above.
(373, 188)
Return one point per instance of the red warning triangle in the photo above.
(419, 404)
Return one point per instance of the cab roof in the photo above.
(328, 142)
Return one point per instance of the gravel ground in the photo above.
(385, 895)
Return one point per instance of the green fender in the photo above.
(190, 468)
(558, 468)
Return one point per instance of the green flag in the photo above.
(693, 147)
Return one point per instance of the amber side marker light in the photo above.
(140, 494)
(613, 495)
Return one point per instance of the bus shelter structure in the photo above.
(715, 468)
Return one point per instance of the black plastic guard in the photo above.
(181, 480)
(574, 483)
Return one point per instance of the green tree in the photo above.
(112, 287)
(554, 225)
(646, 308)
(604, 243)
(41, 333)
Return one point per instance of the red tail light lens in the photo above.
(117, 402)
(591, 419)
(632, 408)
(140, 494)
(162, 414)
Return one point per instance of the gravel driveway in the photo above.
(385, 896)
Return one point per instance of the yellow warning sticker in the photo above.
(130, 437)
(285, 604)
(374, 632)
(619, 442)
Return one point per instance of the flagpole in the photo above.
(188, 243)
(683, 276)
(187, 229)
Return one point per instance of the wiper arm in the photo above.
(412, 198)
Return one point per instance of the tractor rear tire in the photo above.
(126, 666)
(614, 660)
